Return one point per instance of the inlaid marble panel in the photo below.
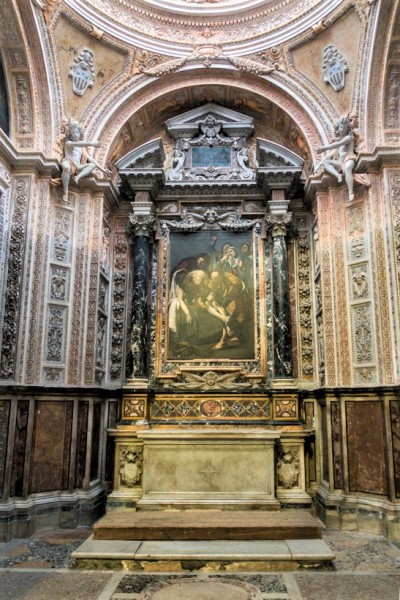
(366, 447)
(395, 422)
(336, 424)
(94, 465)
(83, 414)
(4, 417)
(21, 426)
(51, 444)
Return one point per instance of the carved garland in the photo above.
(305, 306)
(118, 310)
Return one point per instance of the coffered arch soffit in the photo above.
(148, 122)
(278, 116)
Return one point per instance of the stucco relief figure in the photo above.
(341, 160)
(243, 160)
(210, 297)
(77, 161)
(178, 160)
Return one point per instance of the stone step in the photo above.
(216, 555)
(208, 525)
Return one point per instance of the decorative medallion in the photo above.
(82, 72)
(334, 68)
(210, 408)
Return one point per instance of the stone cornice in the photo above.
(23, 161)
(380, 157)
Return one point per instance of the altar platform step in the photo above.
(208, 556)
(207, 525)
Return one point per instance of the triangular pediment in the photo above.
(187, 124)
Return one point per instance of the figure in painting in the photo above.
(77, 161)
(210, 302)
(342, 158)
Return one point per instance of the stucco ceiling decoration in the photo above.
(175, 26)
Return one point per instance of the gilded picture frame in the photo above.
(211, 313)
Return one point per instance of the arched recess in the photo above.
(4, 102)
(386, 38)
(127, 102)
(31, 123)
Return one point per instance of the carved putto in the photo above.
(77, 161)
(334, 68)
(342, 158)
(82, 72)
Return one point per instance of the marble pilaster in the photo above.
(142, 225)
(277, 224)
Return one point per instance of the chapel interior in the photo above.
(200, 262)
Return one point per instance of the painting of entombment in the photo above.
(211, 296)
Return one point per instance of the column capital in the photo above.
(143, 220)
(278, 224)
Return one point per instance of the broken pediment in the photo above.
(147, 156)
(272, 156)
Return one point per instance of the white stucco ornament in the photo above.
(334, 68)
(82, 72)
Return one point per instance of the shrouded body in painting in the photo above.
(211, 296)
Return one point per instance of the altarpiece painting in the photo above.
(209, 309)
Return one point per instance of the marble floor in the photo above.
(367, 567)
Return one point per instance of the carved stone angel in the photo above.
(77, 161)
(342, 158)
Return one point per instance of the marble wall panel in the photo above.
(4, 420)
(324, 438)
(366, 447)
(83, 415)
(51, 446)
(96, 440)
(336, 424)
(21, 428)
(395, 423)
(111, 424)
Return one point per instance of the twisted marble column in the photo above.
(142, 226)
(281, 299)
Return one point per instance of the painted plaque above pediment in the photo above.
(210, 145)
